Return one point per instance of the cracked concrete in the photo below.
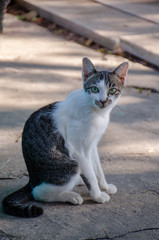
(45, 68)
(146, 234)
(129, 235)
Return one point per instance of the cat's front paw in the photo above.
(112, 189)
(103, 185)
(102, 198)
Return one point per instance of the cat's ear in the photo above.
(87, 69)
(121, 71)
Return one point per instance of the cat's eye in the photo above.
(94, 89)
(112, 91)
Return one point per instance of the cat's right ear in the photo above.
(87, 69)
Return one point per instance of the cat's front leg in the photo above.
(110, 188)
(89, 177)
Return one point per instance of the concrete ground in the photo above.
(131, 25)
(37, 68)
(144, 9)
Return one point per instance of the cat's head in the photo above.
(102, 87)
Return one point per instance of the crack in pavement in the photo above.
(124, 234)
(7, 178)
(6, 236)
(135, 231)
(153, 190)
(25, 174)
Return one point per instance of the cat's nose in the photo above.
(103, 102)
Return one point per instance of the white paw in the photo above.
(104, 197)
(76, 199)
(103, 185)
(112, 189)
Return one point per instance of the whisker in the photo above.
(123, 108)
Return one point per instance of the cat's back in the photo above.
(40, 122)
(40, 135)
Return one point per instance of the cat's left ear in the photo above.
(121, 71)
(87, 69)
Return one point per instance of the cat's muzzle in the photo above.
(103, 104)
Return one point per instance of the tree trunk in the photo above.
(2, 7)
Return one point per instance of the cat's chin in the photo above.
(100, 107)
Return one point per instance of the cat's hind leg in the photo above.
(80, 182)
(47, 192)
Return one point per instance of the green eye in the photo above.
(112, 91)
(94, 89)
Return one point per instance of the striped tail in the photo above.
(15, 204)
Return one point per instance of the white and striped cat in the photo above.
(60, 142)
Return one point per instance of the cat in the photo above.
(59, 144)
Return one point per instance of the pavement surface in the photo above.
(36, 68)
(131, 25)
(145, 9)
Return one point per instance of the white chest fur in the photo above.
(79, 123)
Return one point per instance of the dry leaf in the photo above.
(88, 43)
(30, 15)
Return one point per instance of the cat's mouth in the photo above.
(103, 104)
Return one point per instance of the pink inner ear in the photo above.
(121, 71)
(87, 68)
(122, 79)
(85, 72)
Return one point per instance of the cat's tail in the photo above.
(15, 204)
